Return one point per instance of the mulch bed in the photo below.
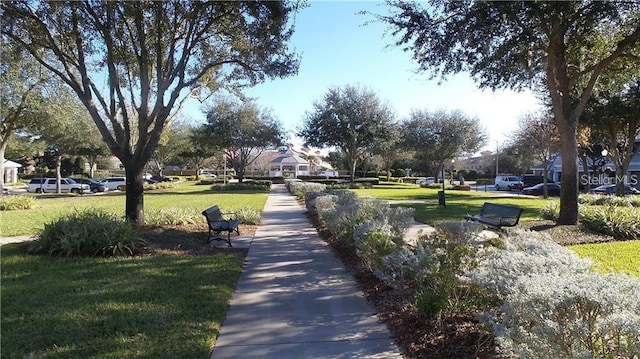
(188, 240)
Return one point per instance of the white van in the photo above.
(508, 182)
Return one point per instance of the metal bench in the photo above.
(218, 224)
(496, 216)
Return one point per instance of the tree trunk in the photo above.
(58, 175)
(569, 180)
(134, 207)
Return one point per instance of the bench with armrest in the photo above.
(218, 224)
(496, 216)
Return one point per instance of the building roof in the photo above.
(11, 164)
(288, 156)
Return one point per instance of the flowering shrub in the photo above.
(553, 306)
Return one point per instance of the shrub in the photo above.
(550, 211)
(620, 222)
(159, 185)
(11, 203)
(93, 232)
(553, 305)
(172, 216)
(248, 215)
(237, 187)
(431, 272)
(374, 240)
(298, 188)
(571, 315)
(596, 199)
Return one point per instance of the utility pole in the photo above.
(497, 156)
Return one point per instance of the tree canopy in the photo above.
(133, 64)
(560, 48)
(440, 136)
(350, 118)
(245, 129)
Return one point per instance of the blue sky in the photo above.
(337, 49)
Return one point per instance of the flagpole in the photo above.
(225, 168)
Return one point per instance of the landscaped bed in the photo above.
(424, 331)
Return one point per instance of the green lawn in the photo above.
(185, 195)
(458, 203)
(154, 306)
(143, 307)
(619, 257)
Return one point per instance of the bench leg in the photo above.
(210, 238)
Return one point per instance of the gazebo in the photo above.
(288, 165)
(11, 171)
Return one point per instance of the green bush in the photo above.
(11, 203)
(620, 222)
(248, 215)
(93, 232)
(173, 216)
(429, 304)
(159, 185)
(550, 211)
(596, 199)
(250, 186)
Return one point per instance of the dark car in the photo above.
(161, 179)
(531, 180)
(610, 189)
(94, 186)
(553, 189)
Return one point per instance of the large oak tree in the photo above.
(134, 63)
(352, 119)
(244, 129)
(560, 48)
(437, 137)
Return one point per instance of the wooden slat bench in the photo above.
(496, 216)
(218, 224)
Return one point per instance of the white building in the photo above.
(11, 171)
(288, 165)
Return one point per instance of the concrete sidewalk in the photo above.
(294, 298)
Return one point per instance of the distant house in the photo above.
(554, 170)
(288, 165)
(11, 171)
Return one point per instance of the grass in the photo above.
(618, 257)
(458, 203)
(141, 307)
(185, 195)
(169, 303)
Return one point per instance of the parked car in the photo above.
(5, 191)
(43, 185)
(531, 180)
(508, 182)
(207, 174)
(610, 189)
(553, 189)
(114, 183)
(94, 186)
(426, 180)
(161, 179)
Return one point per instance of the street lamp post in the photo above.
(603, 161)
